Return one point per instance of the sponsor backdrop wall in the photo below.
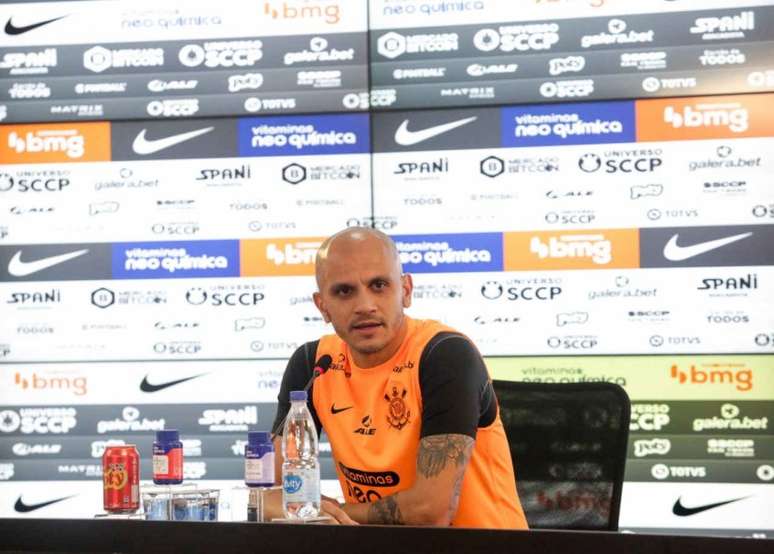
(584, 187)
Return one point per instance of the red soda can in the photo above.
(121, 479)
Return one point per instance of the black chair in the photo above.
(568, 443)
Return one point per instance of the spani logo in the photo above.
(292, 484)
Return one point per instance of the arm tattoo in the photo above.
(385, 511)
(437, 451)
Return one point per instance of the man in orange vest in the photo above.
(407, 404)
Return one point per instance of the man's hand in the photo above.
(435, 494)
(330, 507)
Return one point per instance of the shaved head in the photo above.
(362, 293)
(350, 238)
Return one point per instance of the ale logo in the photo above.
(292, 484)
(115, 477)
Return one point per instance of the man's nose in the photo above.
(365, 303)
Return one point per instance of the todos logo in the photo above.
(215, 258)
(450, 253)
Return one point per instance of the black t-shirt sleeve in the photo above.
(457, 395)
(297, 374)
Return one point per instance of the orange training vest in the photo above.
(373, 418)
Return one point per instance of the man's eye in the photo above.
(379, 285)
(343, 291)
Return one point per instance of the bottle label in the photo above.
(301, 485)
(260, 470)
(169, 465)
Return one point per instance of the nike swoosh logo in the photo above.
(18, 268)
(404, 137)
(145, 386)
(679, 510)
(676, 253)
(335, 410)
(23, 508)
(143, 146)
(11, 29)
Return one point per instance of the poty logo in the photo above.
(715, 374)
(329, 12)
(595, 247)
(248, 81)
(99, 58)
(732, 115)
(236, 53)
(652, 447)
(69, 141)
(292, 254)
(393, 45)
(570, 64)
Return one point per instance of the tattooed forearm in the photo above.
(385, 511)
(437, 451)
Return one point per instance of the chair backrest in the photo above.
(568, 443)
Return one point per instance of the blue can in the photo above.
(259, 460)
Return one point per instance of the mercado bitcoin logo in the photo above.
(592, 249)
(269, 257)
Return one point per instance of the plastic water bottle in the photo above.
(300, 466)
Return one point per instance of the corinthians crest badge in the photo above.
(398, 415)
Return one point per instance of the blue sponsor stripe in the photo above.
(304, 135)
(175, 259)
(451, 253)
(560, 124)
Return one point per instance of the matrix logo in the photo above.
(736, 375)
(329, 12)
(731, 116)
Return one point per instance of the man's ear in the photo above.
(407, 284)
(318, 301)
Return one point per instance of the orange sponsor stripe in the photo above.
(586, 249)
(709, 117)
(279, 256)
(55, 143)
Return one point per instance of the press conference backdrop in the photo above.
(583, 187)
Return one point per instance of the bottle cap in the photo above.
(259, 437)
(167, 435)
(296, 395)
